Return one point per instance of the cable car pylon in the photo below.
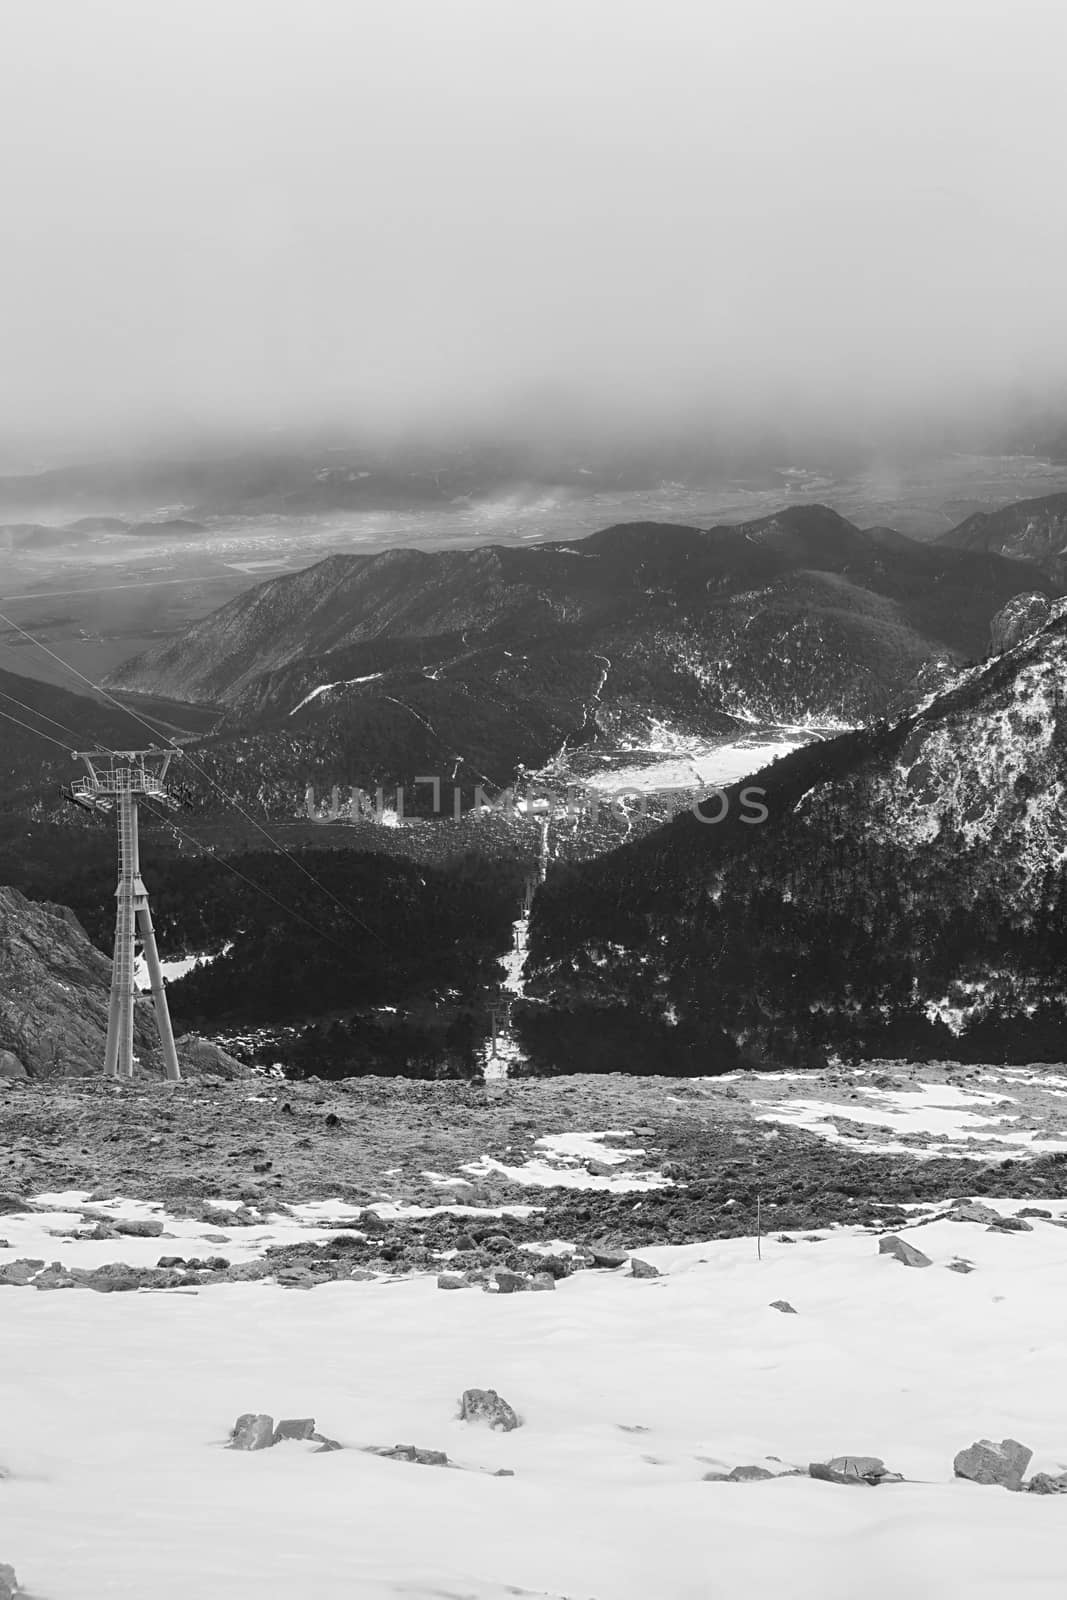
(116, 782)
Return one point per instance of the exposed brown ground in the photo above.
(264, 1141)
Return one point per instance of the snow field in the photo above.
(115, 1409)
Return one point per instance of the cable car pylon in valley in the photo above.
(117, 780)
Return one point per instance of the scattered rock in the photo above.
(485, 1405)
(1040, 1483)
(642, 1269)
(783, 1305)
(739, 1475)
(11, 1067)
(139, 1227)
(294, 1428)
(901, 1251)
(55, 1276)
(973, 1211)
(542, 1281)
(1010, 1225)
(252, 1431)
(853, 1469)
(463, 1242)
(509, 1282)
(325, 1445)
(961, 1266)
(607, 1259)
(18, 1273)
(986, 1462)
(1035, 1211)
(117, 1276)
(410, 1452)
(248, 1271)
(453, 1280)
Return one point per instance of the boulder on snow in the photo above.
(411, 1452)
(642, 1269)
(1022, 616)
(485, 1405)
(973, 1211)
(294, 1428)
(9, 1584)
(783, 1305)
(900, 1250)
(252, 1431)
(986, 1462)
(1010, 1225)
(453, 1280)
(854, 1469)
(138, 1227)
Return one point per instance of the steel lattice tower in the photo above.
(116, 781)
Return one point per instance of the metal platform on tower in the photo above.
(117, 780)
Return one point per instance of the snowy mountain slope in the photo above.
(895, 864)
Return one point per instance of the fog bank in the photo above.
(434, 212)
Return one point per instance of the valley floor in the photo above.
(115, 1409)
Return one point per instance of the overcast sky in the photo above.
(281, 210)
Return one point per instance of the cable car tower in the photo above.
(117, 780)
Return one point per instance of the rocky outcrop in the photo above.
(1029, 530)
(1021, 617)
(54, 987)
(200, 1058)
(987, 1462)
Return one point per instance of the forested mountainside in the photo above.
(371, 669)
(906, 896)
(390, 965)
(1030, 530)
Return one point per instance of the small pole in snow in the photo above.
(759, 1243)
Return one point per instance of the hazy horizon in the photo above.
(611, 217)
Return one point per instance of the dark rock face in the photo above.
(987, 1462)
(54, 991)
(1022, 616)
(1030, 530)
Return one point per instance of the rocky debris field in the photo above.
(178, 1187)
